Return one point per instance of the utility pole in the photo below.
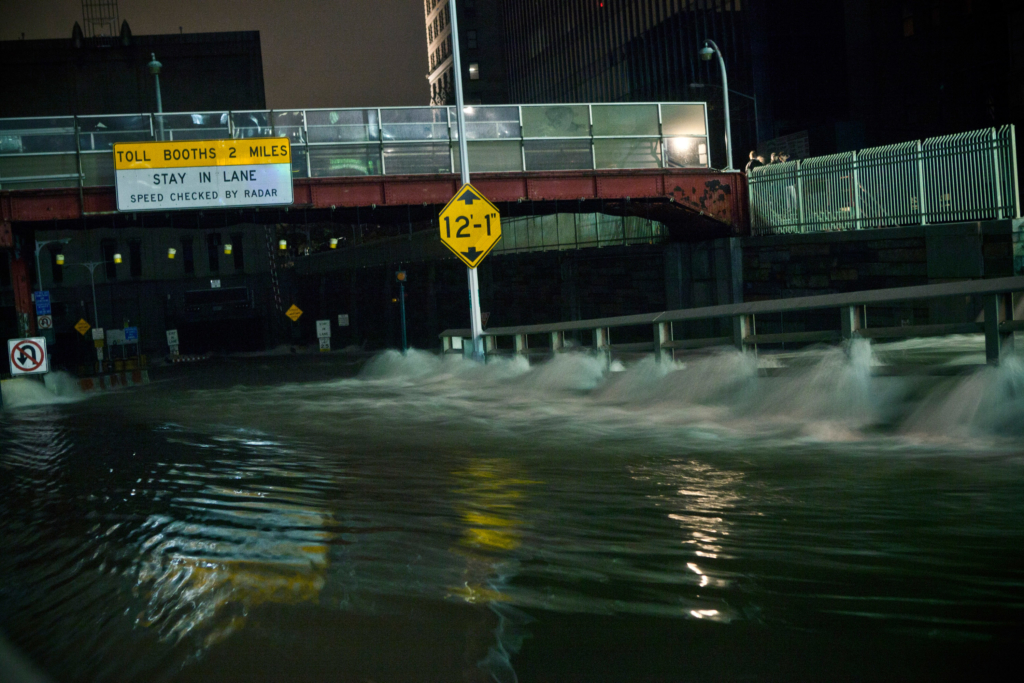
(475, 319)
(91, 265)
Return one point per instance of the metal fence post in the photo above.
(557, 341)
(305, 144)
(856, 194)
(742, 327)
(522, 347)
(800, 194)
(998, 343)
(996, 175)
(662, 335)
(1012, 133)
(922, 206)
(602, 344)
(851, 321)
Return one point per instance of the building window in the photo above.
(107, 250)
(474, 71)
(188, 257)
(908, 22)
(471, 40)
(213, 249)
(56, 272)
(135, 258)
(236, 251)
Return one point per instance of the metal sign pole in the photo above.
(475, 319)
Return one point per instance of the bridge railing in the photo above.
(996, 295)
(71, 151)
(954, 178)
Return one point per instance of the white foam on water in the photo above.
(26, 392)
(577, 401)
(986, 403)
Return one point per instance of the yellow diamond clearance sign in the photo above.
(294, 312)
(82, 326)
(470, 225)
(190, 174)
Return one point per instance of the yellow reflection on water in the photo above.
(489, 497)
(203, 578)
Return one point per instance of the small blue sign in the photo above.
(43, 303)
(131, 334)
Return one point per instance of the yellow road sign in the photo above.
(82, 327)
(189, 153)
(470, 225)
(294, 312)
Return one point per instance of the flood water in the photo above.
(423, 519)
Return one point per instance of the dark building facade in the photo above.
(933, 67)
(108, 74)
(537, 52)
(827, 76)
(482, 45)
(633, 51)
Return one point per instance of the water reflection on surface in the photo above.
(228, 543)
(436, 520)
(491, 501)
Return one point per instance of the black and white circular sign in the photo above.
(27, 356)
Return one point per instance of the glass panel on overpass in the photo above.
(48, 152)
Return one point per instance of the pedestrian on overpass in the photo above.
(754, 162)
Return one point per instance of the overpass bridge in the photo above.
(61, 168)
(386, 165)
(397, 166)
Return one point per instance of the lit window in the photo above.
(474, 71)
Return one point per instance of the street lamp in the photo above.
(752, 98)
(709, 50)
(154, 68)
(400, 276)
(91, 265)
(39, 246)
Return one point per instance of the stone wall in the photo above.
(782, 266)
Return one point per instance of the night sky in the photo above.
(316, 53)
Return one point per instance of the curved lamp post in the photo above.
(709, 50)
(154, 68)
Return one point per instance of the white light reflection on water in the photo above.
(230, 542)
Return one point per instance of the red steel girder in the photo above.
(720, 196)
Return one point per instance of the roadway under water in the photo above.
(417, 518)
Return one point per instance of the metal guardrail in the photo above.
(998, 325)
(38, 152)
(954, 178)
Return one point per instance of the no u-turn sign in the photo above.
(28, 356)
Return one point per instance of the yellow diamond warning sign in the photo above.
(294, 312)
(82, 326)
(470, 225)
